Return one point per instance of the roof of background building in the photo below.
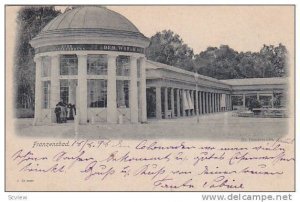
(91, 17)
(256, 81)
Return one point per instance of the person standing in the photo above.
(57, 111)
(71, 112)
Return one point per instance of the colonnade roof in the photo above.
(257, 81)
(229, 82)
(157, 65)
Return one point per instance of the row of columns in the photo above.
(81, 94)
(112, 113)
(257, 97)
(203, 102)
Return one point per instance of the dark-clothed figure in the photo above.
(57, 111)
(71, 112)
(63, 114)
(74, 108)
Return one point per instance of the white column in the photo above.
(226, 102)
(206, 102)
(158, 102)
(200, 103)
(213, 102)
(111, 90)
(220, 109)
(38, 90)
(134, 111)
(209, 102)
(197, 102)
(82, 88)
(55, 85)
(178, 102)
(272, 100)
(244, 101)
(193, 102)
(172, 103)
(188, 94)
(143, 89)
(166, 102)
(182, 101)
(72, 92)
(230, 105)
(218, 102)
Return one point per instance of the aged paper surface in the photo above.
(152, 159)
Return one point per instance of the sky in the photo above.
(244, 28)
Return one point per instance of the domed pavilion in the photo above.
(93, 58)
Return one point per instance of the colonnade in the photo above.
(176, 102)
(244, 95)
(137, 100)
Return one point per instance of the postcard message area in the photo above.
(149, 165)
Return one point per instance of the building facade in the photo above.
(94, 58)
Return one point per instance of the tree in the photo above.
(274, 61)
(254, 103)
(168, 48)
(218, 63)
(226, 63)
(30, 21)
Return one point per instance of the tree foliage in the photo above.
(225, 63)
(30, 21)
(168, 48)
(221, 63)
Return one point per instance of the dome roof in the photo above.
(90, 17)
(90, 25)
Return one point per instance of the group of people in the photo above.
(64, 112)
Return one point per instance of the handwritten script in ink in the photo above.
(157, 165)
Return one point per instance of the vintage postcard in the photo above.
(150, 98)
